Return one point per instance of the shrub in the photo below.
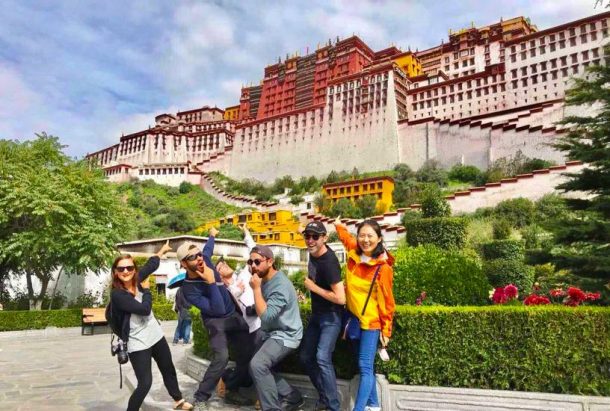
(297, 280)
(519, 212)
(185, 187)
(550, 208)
(366, 206)
(434, 204)
(431, 172)
(444, 232)
(501, 229)
(448, 277)
(502, 272)
(230, 232)
(504, 249)
(464, 173)
(410, 215)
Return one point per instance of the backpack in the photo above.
(114, 323)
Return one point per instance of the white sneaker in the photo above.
(369, 408)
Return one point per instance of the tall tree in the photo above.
(54, 213)
(583, 238)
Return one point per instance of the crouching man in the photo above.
(276, 304)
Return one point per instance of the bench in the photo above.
(91, 318)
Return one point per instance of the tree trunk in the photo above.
(44, 284)
(61, 269)
(32, 300)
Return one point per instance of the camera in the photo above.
(120, 350)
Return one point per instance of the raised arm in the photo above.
(346, 238)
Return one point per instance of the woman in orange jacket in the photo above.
(367, 259)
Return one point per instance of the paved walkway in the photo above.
(66, 371)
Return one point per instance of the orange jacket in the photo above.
(379, 312)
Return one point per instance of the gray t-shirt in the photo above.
(144, 330)
(281, 320)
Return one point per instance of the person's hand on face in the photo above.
(255, 282)
(207, 274)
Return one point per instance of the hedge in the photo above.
(32, 320)
(449, 277)
(552, 349)
(444, 232)
(505, 249)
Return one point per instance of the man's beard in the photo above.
(263, 274)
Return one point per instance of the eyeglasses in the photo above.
(256, 261)
(315, 237)
(193, 257)
(125, 268)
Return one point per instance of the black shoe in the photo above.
(320, 406)
(235, 398)
(292, 405)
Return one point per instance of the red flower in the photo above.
(511, 291)
(557, 292)
(499, 297)
(593, 296)
(576, 294)
(534, 299)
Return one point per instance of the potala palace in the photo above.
(483, 94)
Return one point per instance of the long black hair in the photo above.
(380, 249)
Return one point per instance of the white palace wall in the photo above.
(325, 139)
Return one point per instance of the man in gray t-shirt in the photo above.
(276, 304)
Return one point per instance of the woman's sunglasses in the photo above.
(256, 261)
(126, 268)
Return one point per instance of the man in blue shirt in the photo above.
(203, 288)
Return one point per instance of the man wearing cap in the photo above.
(204, 289)
(327, 299)
(276, 304)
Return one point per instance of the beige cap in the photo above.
(185, 250)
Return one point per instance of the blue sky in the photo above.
(87, 71)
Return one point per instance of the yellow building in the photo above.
(267, 227)
(379, 187)
(409, 63)
(231, 113)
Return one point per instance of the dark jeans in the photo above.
(224, 332)
(270, 387)
(317, 355)
(140, 361)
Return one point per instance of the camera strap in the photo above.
(120, 369)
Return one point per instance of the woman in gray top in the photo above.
(132, 302)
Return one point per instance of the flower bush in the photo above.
(573, 297)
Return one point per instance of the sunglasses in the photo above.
(193, 257)
(315, 237)
(125, 268)
(256, 261)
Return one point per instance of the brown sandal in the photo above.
(183, 405)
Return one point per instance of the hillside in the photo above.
(160, 210)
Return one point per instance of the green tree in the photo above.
(366, 206)
(55, 213)
(431, 172)
(584, 236)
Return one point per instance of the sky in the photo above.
(88, 71)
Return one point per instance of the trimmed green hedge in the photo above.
(553, 349)
(444, 232)
(33, 320)
(449, 277)
(505, 249)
